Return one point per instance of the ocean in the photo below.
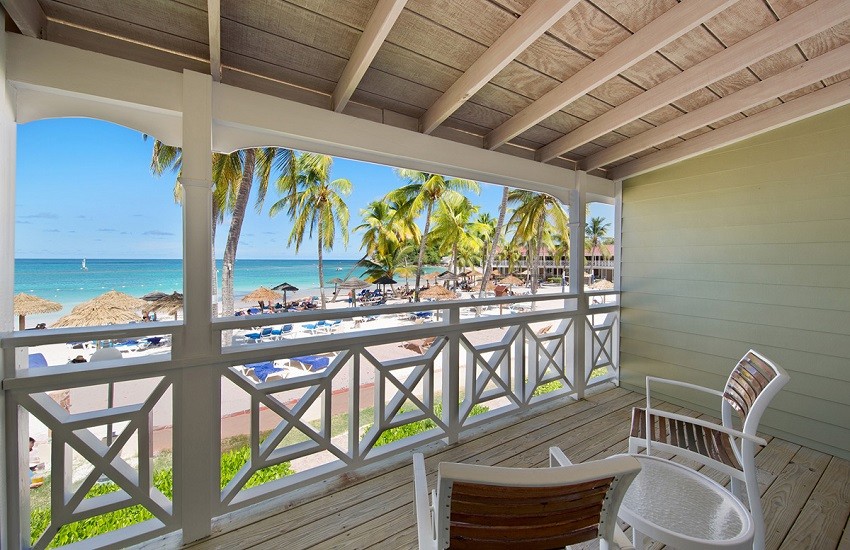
(66, 282)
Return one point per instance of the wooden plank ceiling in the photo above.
(615, 87)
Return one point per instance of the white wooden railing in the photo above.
(481, 366)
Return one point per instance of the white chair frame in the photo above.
(743, 442)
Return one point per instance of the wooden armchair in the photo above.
(751, 386)
(491, 507)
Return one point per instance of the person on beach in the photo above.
(352, 298)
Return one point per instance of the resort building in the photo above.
(717, 130)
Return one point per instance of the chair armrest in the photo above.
(706, 424)
(679, 383)
(424, 519)
(558, 458)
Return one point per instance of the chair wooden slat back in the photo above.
(529, 508)
(747, 382)
(487, 516)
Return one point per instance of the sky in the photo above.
(85, 190)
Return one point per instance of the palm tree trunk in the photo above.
(488, 267)
(535, 260)
(422, 251)
(454, 262)
(239, 209)
(321, 267)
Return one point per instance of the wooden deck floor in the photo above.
(806, 493)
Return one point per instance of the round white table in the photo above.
(684, 509)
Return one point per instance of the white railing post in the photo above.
(451, 377)
(197, 390)
(577, 223)
(14, 501)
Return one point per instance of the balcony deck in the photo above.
(806, 493)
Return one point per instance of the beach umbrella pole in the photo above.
(22, 325)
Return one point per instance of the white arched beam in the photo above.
(799, 76)
(812, 104)
(802, 24)
(532, 23)
(69, 80)
(655, 35)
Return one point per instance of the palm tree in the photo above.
(233, 176)
(315, 204)
(454, 229)
(240, 168)
(497, 234)
(595, 233)
(536, 217)
(421, 193)
(389, 261)
(486, 235)
(561, 251)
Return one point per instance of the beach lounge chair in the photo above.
(311, 363)
(751, 386)
(477, 506)
(419, 346)
(282, 332)
(253, 337)
(264, 371)
(312, 328)
(37, 360)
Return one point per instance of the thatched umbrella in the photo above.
(27, 304)
(262, 295)
(437, 293)
(111, 308)
(335, 281)
(170, 304)
(285, 287)
(510, 280)
(154, 296)
(356, 284)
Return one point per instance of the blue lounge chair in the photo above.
(37, 360)
(253, 337)
(310, 327)
(311, 363)
(263, 370)
(282, 331)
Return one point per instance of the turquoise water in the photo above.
(65, 281)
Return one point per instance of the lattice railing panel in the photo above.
(111, 472)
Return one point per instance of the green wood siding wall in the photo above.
(747, 247)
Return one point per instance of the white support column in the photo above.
(577, 224)
(197, 390)
(618, 264)
(14, 509)
(451, 377)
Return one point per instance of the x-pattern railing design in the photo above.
(72, 432)
(458, 370)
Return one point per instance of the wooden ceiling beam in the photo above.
(805, 106)
(655, 35)
(536, 20)
(806, 22)
(27, 15)
(799, 76)
(376, 31)
(214, 16)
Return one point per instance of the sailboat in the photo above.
(84, 265)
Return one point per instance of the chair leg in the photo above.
(753, 494)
